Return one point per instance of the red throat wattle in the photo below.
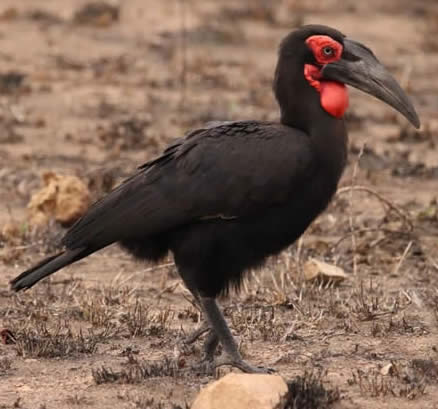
(333, 95)
(334, 98)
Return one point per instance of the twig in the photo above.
(170, 288)
(298, 255)
(24, 247)
(153, 268)
(350, 210)
(366, 230)
(391, 205)
(66, 281)
(402, 259)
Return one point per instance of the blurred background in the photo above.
(91, 90)
(96, 88)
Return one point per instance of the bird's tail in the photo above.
(48, 266)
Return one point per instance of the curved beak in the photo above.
(360, 68)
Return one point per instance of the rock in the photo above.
(243, 391)
(64, 198)
(315, 269)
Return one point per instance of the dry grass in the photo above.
(309, 392)
(403, 380)
(277, 308)
(5, 366)
(39, 342)
(137, 372)
(138, 401)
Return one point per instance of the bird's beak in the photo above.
(360, 68)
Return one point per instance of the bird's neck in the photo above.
(330, 140)
(300, 107)
(301, 104)
(328, 134)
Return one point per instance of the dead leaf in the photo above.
(64, 198)
(314, 269)
(387, 369)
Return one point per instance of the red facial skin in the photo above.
(333, 95)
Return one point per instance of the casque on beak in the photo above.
(360, 68)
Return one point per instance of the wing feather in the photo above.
(236, 169)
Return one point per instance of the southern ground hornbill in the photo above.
(225, 197)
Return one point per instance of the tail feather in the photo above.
(48, 266)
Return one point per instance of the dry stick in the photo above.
(366, 230)
(390, 204)
(24, 247)
(350, 211)
(298, 254)
(153, 268)
(170, 288)
(402, 259)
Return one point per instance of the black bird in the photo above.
(225, 197)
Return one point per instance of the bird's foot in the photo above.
(207, 366)
(242, 365)
(210, 344)
(192, 337)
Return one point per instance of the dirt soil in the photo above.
(94, 92)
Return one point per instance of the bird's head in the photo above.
(317, 61)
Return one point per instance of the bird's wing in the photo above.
(233, 170)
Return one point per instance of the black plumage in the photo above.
(225, 197)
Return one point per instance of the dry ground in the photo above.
(96, 96)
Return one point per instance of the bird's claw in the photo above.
(207, 366)
(243, 366)
(193, 336)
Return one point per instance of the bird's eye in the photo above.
(328, 51)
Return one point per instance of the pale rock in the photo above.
(243, 391)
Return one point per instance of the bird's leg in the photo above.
(210, 346)
(219, 326)
(204, 327)
(212, 341)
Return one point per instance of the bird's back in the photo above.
(222, 199)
